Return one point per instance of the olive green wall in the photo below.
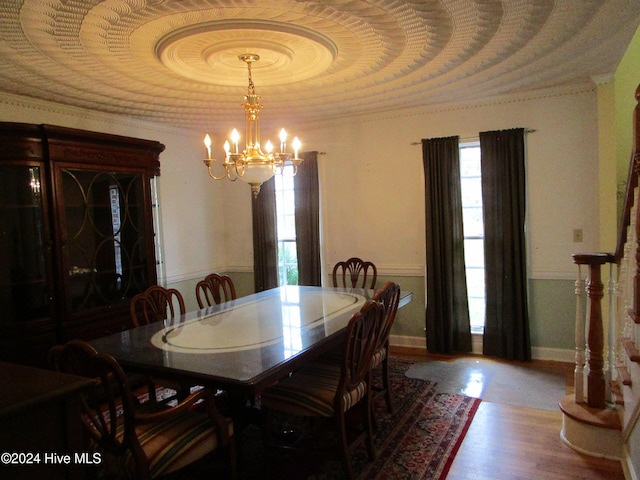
(551, 306)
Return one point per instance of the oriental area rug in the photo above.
(417, 442)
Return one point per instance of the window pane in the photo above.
(476, 313)
(470, 161)
(285, 214)
(473, 224)
(475, 282)
(288, 202)
(474, 252)
(471, 191)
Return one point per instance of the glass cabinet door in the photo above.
(24, 246)
(105, 237)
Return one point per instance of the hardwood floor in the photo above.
(506, 442)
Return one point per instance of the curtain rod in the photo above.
(466, 139)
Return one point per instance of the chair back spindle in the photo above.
(361, 338)
(215, 289)
(355, 273)
(156, 304)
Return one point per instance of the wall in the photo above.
(372, 195)
(373, 186)
(627, 80)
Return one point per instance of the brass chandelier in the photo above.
(252, 164)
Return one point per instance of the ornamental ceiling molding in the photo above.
(175, 62)
(10, 100)
(552, 92)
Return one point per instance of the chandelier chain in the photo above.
(252, 87)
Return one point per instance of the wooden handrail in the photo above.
(632, 182)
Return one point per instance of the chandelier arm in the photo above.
(209, 164)
(237, 165)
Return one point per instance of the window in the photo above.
(471, 188)
(286, 228)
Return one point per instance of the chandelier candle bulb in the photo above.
(207, 143)
(235, 136)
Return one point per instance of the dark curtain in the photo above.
(307, 213)
(447, 312)
(506, 330)
(265, 240)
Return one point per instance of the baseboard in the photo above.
(553, 354)
(406, 342)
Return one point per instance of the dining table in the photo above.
(244, 345)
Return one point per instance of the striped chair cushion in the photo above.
(311, 391)
(173, 444)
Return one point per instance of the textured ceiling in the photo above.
(176, 62)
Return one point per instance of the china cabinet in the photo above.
(76, 235)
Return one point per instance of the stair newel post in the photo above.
(596, 390)
(578, 374)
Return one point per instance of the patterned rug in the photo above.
(417, 442)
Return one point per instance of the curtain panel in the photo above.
(265, 238)
(506, 331)
(307, 217)
(447, 311)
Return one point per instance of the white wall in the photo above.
(373, 185)
(371, 181)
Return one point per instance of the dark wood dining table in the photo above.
(244, 345)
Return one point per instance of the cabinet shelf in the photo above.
(20, 206)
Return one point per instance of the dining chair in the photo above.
(148, 440)
(215, 289)
(159, 304)
(330, 390)
(156, 304)
(389, 297)
(355, 273)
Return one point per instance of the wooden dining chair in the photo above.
(355, 273)
(215, 289)
(156, 304)
(389, 297)
(330, 390)
(137, 441)
(159, 304)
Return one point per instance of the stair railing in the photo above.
(592, 382)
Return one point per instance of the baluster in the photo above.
(612, 339)
(578, 374)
